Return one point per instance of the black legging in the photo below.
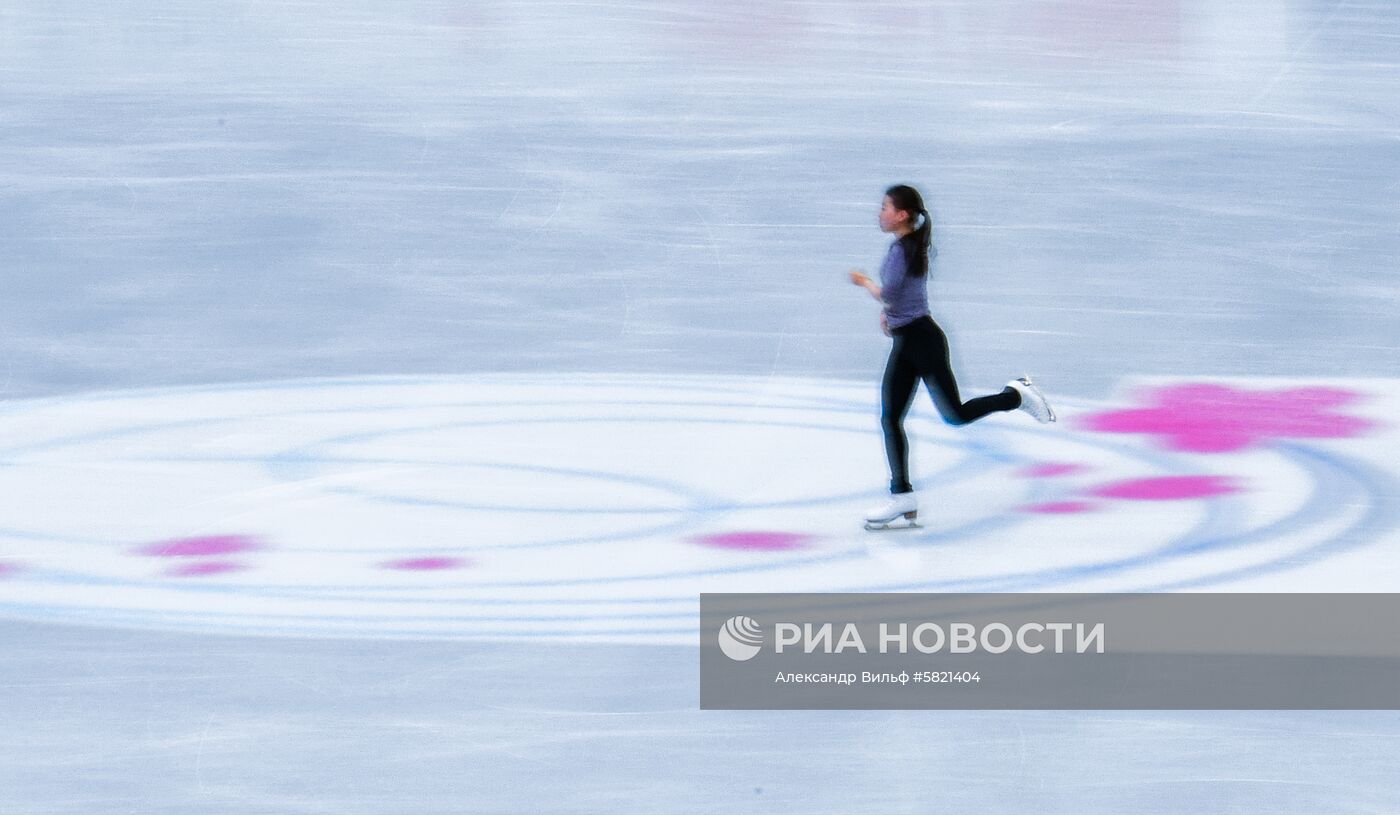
(921, 352)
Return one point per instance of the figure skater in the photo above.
(920, 351)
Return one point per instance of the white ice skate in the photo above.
(1032, 400)
(899, 512)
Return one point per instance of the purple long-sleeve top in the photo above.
(905, 297)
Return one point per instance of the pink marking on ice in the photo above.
(1060, 507)
(202, 547)
(1206, 418)
(1050, 469)
(755, 541)
(1168, 488)
(424, 564)
(206, 568)
(7, 569)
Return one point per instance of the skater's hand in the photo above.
(885, 323)
(861, 279)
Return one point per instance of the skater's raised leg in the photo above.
(932, 359)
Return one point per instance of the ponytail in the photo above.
(917, 245)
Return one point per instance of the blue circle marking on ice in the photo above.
(339, 474)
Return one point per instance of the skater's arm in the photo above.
(863, 280)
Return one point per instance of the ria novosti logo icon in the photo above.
(740, 638)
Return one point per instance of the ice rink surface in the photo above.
(381, 384)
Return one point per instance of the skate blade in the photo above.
(892, 526)
(902, 522)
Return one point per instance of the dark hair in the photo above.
(916, 244)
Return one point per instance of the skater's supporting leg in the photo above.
(896, 394)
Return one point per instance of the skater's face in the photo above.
(892, 219)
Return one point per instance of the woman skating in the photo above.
(920, 352)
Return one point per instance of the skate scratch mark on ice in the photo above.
(753, 225)
(777, 354)
(199, 754)
(1293, 55)
(502, 214)
(289, 679)
(558, 205)
(709, 234)
(594, 713)
(120, 680)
